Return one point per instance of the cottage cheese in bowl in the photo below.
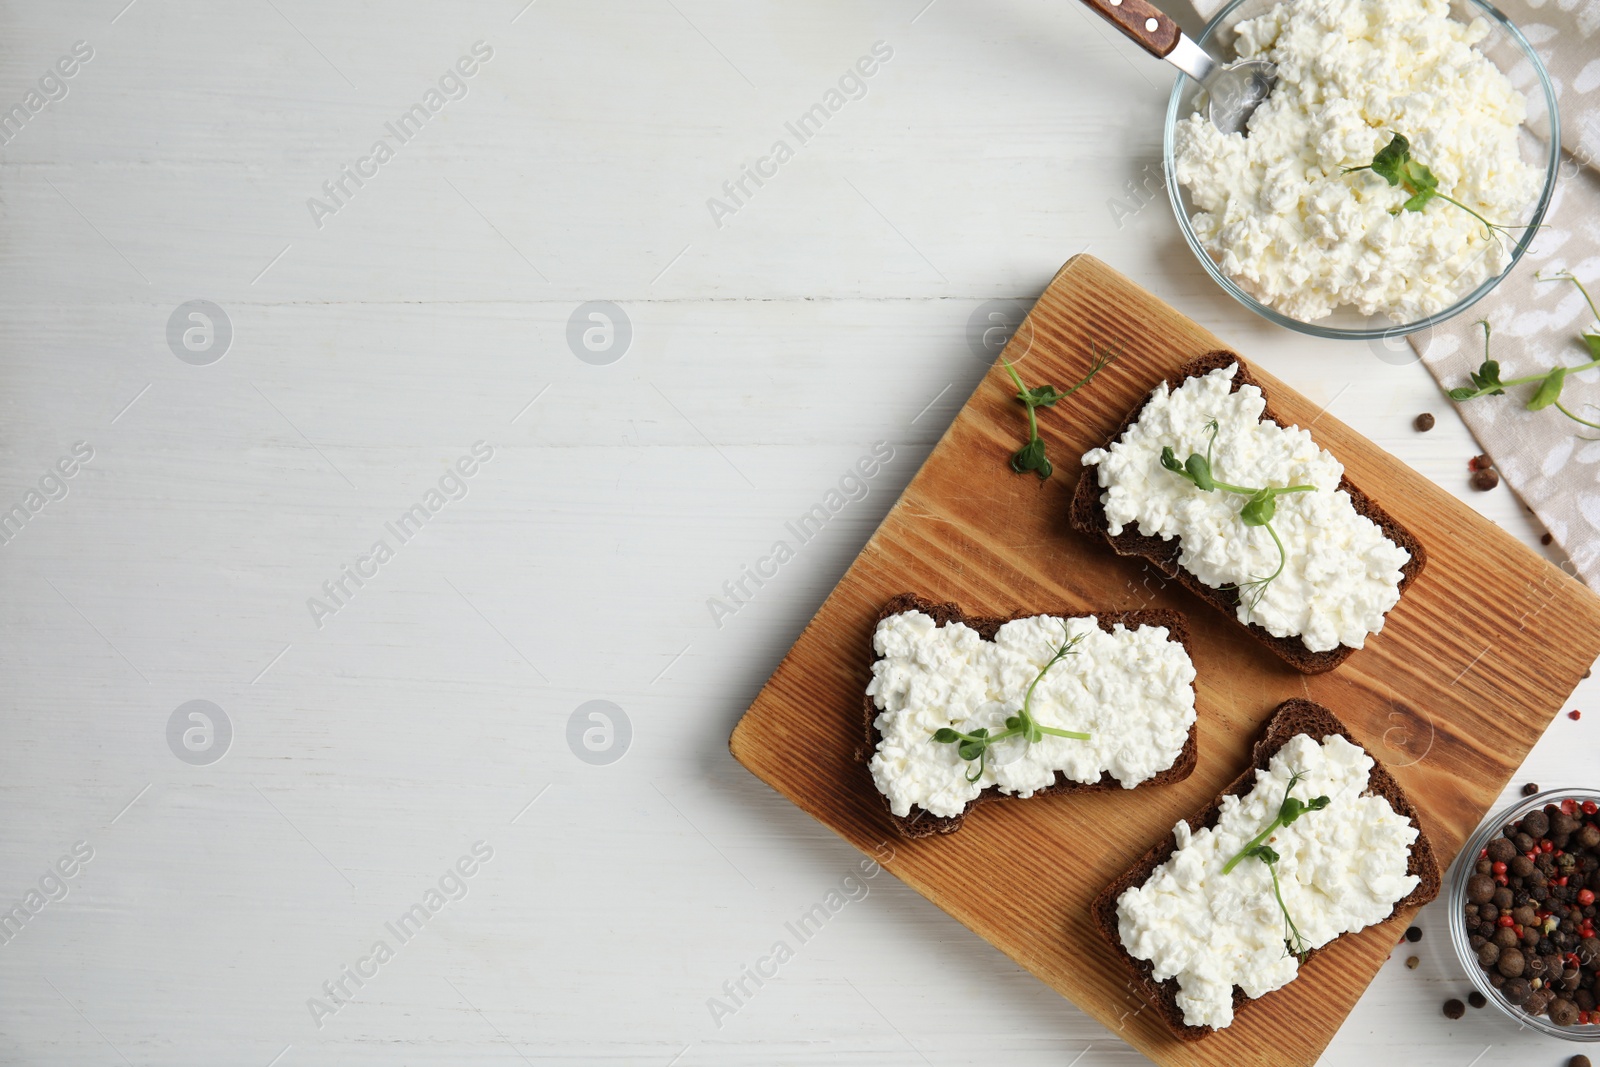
(1276, 209)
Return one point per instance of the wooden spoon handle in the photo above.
(1144, 23)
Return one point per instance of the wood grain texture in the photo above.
(1439, 695)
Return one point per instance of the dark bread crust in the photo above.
(1292, 717)
(1088, 515)
(921, 823)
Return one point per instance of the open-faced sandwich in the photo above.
(1204, 483)
(965, 709)
(1315, 842)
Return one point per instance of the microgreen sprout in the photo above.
(1259, 508)
(975, 746)
(1031, 457)
(1394, 164)
(1293, 941)
(1290, 810)
(1486, 380)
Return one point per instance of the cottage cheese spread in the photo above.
(1275, 209)
(1131, 690)
(1340, 574)
(1340, 869)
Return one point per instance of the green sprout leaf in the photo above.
(1486, 379)
(1418, 201)
(1199, 470)
(1391, 158)
(1259, 509)
(1395, 165)
(1031, 456)
(1549, 390)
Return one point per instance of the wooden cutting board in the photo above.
(1444, 695)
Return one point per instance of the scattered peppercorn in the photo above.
(1412, 962)
(1480, 462)
(1424, 422)
(1530, 789)
(1485, 480)
(1454, 1009)
(1546, 539)
(1477, 999)
(1480, 887)
(1574, 714)
(1578, 1061)
(1414, 934)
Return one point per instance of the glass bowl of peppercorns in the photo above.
(1523, 917)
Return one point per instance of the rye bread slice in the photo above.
(921, 823)
(1088, 515)
(1291, 718)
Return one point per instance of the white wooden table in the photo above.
(368, 746)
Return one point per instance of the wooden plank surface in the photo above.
(1443, 695)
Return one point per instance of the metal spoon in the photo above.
(1235, 90)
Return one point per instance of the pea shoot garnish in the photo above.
(1293, 941)
(1486, 380)
(1258, 510)
(1290, 810)
(1031, 457)
(975, 746)
(1394, 164)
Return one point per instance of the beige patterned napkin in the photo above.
(1550, 461)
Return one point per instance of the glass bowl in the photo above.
(1463, 870)
(1345, 322)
